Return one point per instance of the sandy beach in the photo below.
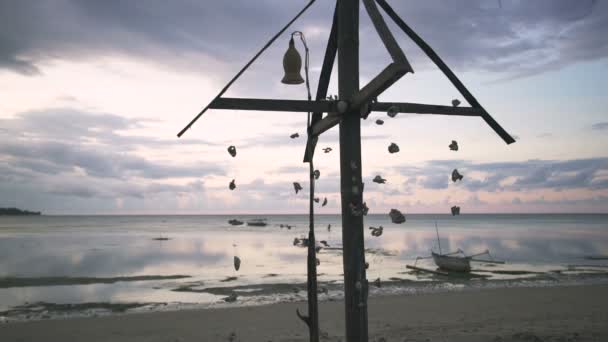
(575, 313)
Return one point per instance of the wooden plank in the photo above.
(245, 68)
(324, 77)
(488, 261)
(353, 242)
(419, 108)
(446, 70)
(273, 105)
(385, 35)
(420, 269)
(326, 123)
(391, 74)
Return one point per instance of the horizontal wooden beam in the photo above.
(418, 108)
(273, 105)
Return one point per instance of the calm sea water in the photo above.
(538, 249)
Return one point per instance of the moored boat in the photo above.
(452, 263)
(257, 222)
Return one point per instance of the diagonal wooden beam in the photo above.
(273, 105)
(391, 74)
(446, 70)
(219, 95)
(385, 34)
(329, 121)
(324, 77)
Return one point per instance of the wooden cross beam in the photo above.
(354, 103)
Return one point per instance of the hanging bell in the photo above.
(292, 64)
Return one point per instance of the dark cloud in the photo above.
(521, 37)
(64, 152)
(600, 126)
(516, 176)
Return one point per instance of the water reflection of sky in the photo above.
(203, 247)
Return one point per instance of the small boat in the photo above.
(452, 263)
(257, 222)
(235, 222)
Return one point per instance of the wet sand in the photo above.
(575, 313)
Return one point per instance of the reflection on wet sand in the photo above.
(66, 260)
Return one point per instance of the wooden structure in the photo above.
(353, 104)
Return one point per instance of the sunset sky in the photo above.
(93, 93)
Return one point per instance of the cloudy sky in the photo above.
(93, 93)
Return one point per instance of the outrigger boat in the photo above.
(453, 262)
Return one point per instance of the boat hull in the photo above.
(451, 263)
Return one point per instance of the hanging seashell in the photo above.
(393, 148)
(324, 202)
(396, 216)
(237, 262)
(318, 262)
(379, 180)
(329, 227)
(295, 135)
(296, 241)
(392, 111)
(455, 103)
(377, 282)
(316, 199)
(364, 209)
(376, 231)
(232, 150)
(456, 176)
(379, 122)
(455, 210)
(232, 298)
(232, 185)
(327, 149)
(297, 186)
(317, 174)
(454, 146)
(366, 265)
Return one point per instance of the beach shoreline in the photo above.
(562, 313)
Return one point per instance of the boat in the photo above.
(457, 261)
(257, 222)
(452, 263)
(235, 222)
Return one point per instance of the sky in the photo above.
(93, 93)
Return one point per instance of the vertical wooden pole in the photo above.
(355, 283)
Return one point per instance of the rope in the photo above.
(247, 66)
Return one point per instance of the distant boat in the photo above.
(257, 222)
(235, 222)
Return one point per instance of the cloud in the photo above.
(600, 126)
(522, 37)
(65, 152)
(514, 176)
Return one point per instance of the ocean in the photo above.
(62, 266)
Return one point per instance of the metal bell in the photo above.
(292, 64)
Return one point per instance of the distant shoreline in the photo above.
(18, 212)
(316, 215)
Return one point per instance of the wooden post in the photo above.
(355, 283)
